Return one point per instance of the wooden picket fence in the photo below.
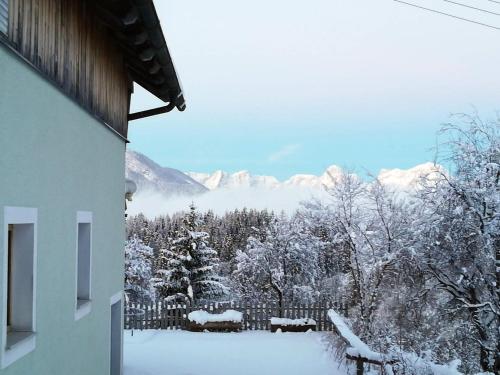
(167, 315)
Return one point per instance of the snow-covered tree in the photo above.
(189, 267)
(280, 263)
(138, 269)
(461, 236)
(171, 279)
(206, 283)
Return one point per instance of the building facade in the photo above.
(67, 69)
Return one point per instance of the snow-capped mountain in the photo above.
(398, 179)
(408, 179)
(242, 179)
(151, 177)
(328, 179)
(168, 181)
(167, 190)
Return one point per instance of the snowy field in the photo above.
(245, 353)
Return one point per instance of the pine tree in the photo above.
(172, 281)
(138, 270)
(205, 281)
(188, 269)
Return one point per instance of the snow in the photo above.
(167, 191)
(357, 347)
(202, 317)
(247, 353)
(400, 178)
(292, 322)
(408, 179)
(419, 364)
(150, 177)
(242, 179)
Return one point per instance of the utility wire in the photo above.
(494, 1)
(447, 14)
(471, 7)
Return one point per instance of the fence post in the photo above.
(251, 316)
(315, 312)
(326, 326)
(245, 318)
(177, 312)
(151, 314)
(267, 315)
(161, 314)
(359, 367)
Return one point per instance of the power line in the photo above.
(447, 14)
(471, 7)
(494, 1)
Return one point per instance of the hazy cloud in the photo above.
(285, 199)
(284, 152)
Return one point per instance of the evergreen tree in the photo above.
(188, 269)
(205, 281)
(138, 270)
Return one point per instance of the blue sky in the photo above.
(281, 87)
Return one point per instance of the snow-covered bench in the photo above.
(293, 325)
(229, 320)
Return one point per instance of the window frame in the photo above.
(83, 308)
(25, 345)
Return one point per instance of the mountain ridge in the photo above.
(397, 178)
(150, 176)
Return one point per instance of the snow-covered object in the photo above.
(421, 366)
(356, 347)
(138, 268)
(202, 317)
(150, 177)
(189, 268)
(404, 179)
(283, 266)
(292, 322)
(410, 179)
(242, 179)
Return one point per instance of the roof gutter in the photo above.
(152, 24)
(152, 112)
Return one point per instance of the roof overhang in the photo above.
(137, 30)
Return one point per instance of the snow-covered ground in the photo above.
(244, 353)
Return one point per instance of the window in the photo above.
(83, 263)
(20, 283)
(4, 16)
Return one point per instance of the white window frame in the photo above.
(18, 215)
(83, 217)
